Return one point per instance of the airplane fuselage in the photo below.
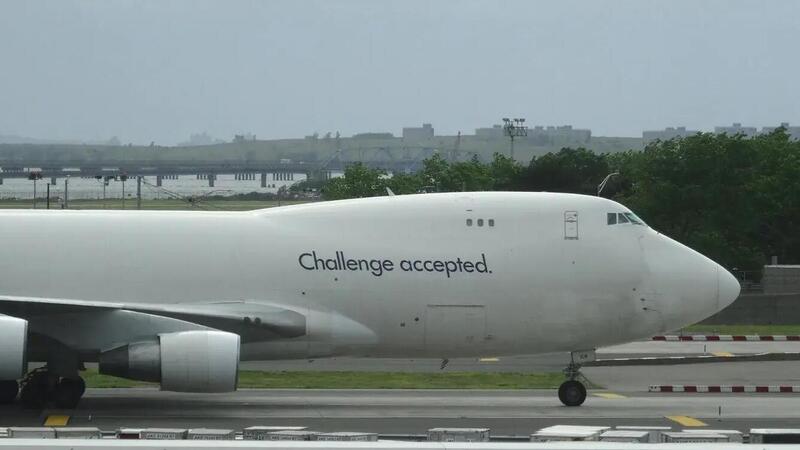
(439, 275)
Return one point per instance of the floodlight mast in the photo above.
(514, 128)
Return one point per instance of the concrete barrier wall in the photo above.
(781, 279)
(760, 309)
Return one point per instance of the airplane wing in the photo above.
(253, 321)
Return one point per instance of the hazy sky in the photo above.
(160, 70)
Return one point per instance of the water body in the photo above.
(180, 185)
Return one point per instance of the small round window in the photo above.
(469, 222)
(480, 222)
(491, 222)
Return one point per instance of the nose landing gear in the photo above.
(572, 392)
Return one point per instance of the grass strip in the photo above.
(365, 380)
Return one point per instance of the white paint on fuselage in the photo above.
(540, 292)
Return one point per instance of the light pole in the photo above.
(514, 128)
(138, 192)
(602, 184)
(104, 180)
(34, 176)
(123, 178)
(66, 192)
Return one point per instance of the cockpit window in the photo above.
(634, 220)
(613, 218)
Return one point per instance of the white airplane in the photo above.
(180, 298)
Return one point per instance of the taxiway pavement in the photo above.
(625, 401)
(414, 411)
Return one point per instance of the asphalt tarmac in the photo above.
(625, 401)
(414, 411)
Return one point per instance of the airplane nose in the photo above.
(728, 287)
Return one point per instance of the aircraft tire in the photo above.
(82, 385)
(68, 392)
(33, 394)
(8, 391)
(572, 393)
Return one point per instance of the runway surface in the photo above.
(414, 411)
(625, 401)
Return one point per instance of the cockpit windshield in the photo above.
(634, 219)
(626, 217)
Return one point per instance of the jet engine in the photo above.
(186, 361)
(13, 343)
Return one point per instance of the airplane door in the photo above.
(570, 224)
(450, 329)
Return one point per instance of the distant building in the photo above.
(793, 132)
(373, 136)
(495, 132)
(541, 135)
(667, 134)
(558, 134)
(203, 138)
(242, 138)
(735, 129)
(418, 133)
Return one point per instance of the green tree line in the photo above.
(733, 198)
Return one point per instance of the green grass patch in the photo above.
(744, 329)
(365, 380)
(399, 380)
(96, 380)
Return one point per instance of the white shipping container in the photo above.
(129, 433)
(568, 433)
(655, 431)
(78, 433)
(459, 434)
(733, 435)
(163, 433)
(347, 436)
(625, 436)
(678, 437)
(32, 432)
(775, 435)
(259, 433)
(291, 435)
(210, 434)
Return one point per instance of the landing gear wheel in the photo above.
(572, 393)
(82, 386)
(68, 392)
(8, 391)
(35, 388)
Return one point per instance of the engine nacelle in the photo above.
(13, 347)
(187, 361)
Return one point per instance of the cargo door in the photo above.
(451, 330)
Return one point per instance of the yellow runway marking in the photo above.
(687, 421)
(726, 354)
(489, 359)
(56, 421)
(609, 395)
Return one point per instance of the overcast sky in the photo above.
(160, 70)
